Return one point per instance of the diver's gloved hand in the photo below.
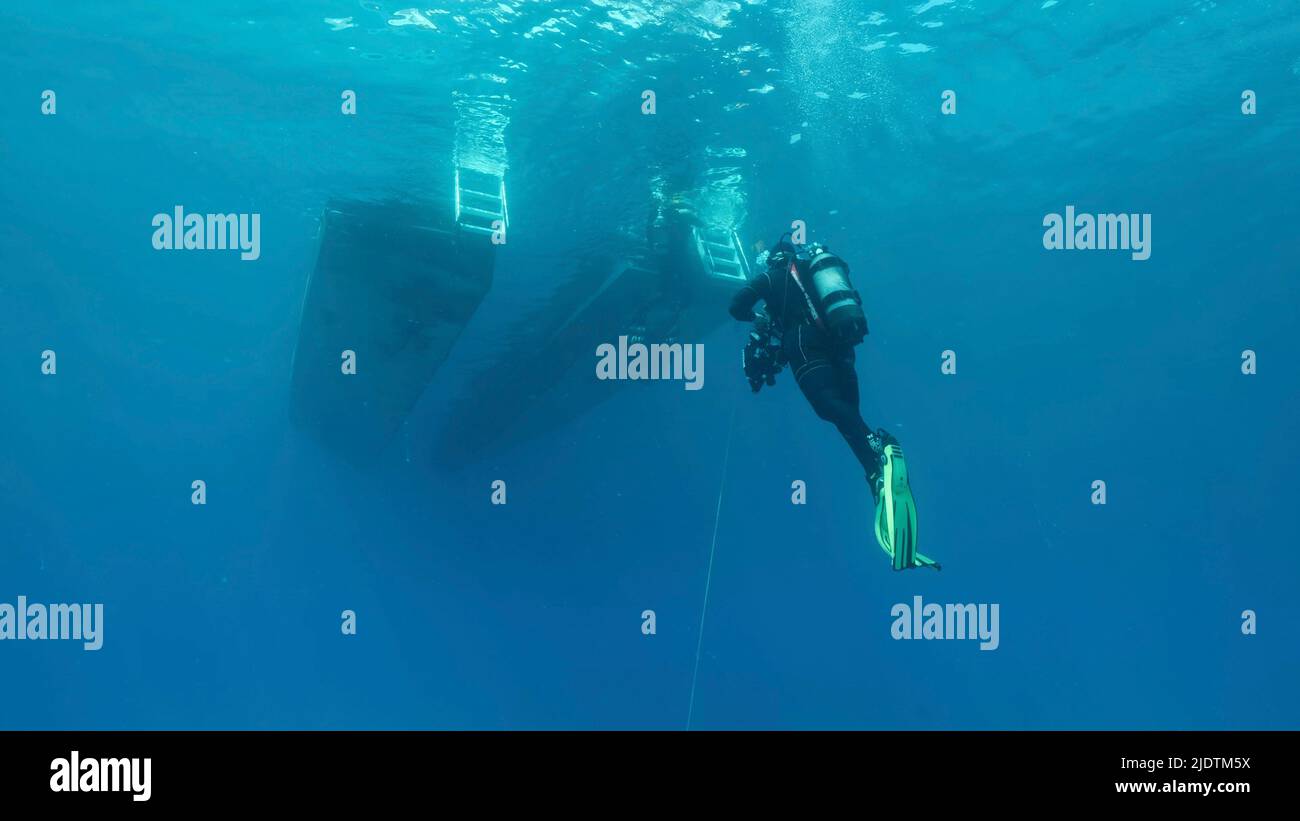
(762, 322)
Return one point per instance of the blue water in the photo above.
(1072, 367)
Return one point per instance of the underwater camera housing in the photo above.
(837, 304)
(763, 357)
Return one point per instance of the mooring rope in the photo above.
(708, 579)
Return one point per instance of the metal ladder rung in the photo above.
(494, 196)
(478, 212)
(721, 254)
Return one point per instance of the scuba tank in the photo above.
(830, 296)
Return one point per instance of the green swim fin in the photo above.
(896, 511)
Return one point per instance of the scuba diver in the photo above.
(813, 320)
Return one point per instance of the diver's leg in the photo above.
(858, 434)
(833, 394)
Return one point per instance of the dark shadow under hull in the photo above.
(395, 285)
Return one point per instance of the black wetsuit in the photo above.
(823, 368)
